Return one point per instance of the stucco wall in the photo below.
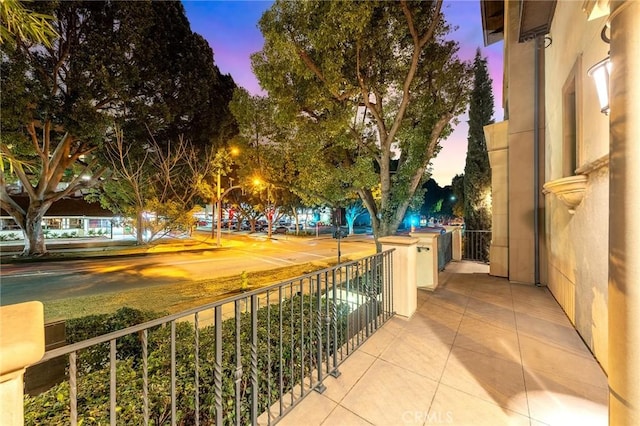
(578, 243)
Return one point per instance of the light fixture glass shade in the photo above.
(600, 73)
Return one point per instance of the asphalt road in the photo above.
(56, 280)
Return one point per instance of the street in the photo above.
(46, 281)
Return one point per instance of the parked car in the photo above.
(280, 229)
(340, 233)
(292, 227)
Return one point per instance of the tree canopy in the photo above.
(365, 83)
(132, 64)
(477, 171)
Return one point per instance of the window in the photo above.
(571, 117)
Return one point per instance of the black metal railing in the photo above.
(445, 250)
(246, 359)
(475, 245)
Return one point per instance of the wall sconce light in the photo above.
(600, 73)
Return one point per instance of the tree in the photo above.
(371, 79)
(457, 186)
(157, 188)
(352, 212)
(136, 64)
(477, 172)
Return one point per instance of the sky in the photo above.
(231, 28)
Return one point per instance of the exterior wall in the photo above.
(578, 243)
(519, 75)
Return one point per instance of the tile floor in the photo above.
(478, 351)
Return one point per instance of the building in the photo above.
(566, 171)
(67, 218)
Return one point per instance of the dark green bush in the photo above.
(283, 336)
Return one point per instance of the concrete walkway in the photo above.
(478, 351)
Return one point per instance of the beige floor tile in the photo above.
(486, 338)
(379, 341)
(553, 335)
(457, 286)
(350, 372)
(439, 313)
(432, 329)
(449, 299)
(538, 354)
(413, 352)
(499, 316)
(386, 393)
(504, 301)
(492, 379)
(555, 400)
(453, 407)
(343, 417)
(498, 287)
(503, 352)
(468, 267)
(313, 410)
(549, 314)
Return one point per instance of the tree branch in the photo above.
(418, 44)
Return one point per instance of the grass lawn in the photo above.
(171, 298)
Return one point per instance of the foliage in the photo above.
(283, 336)
(457, 185)
(17, 22)
(156, 187)
(477, 171)
(134, 63)
(359, 81)
(269, 174)
(438, 201)
(80, 329)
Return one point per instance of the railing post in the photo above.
(405, 292)
(456, 242)
(22, 331)
(427, 259)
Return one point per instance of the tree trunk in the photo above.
(34, 244)
(139, 228)
(350, 222)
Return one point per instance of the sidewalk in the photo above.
(74, 248)
(97, 247)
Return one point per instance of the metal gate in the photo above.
(475, 245)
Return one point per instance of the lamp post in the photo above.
(222, 161)
(219, 207)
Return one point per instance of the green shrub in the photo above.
(295, 322)
(96, 357)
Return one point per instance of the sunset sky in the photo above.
(231, 29)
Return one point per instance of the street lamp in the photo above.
(219, 208)
(233, 151)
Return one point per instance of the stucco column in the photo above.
(497, 138)
(405, 290)
(22, 343)
(624, 205)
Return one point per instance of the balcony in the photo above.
(478, 350)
